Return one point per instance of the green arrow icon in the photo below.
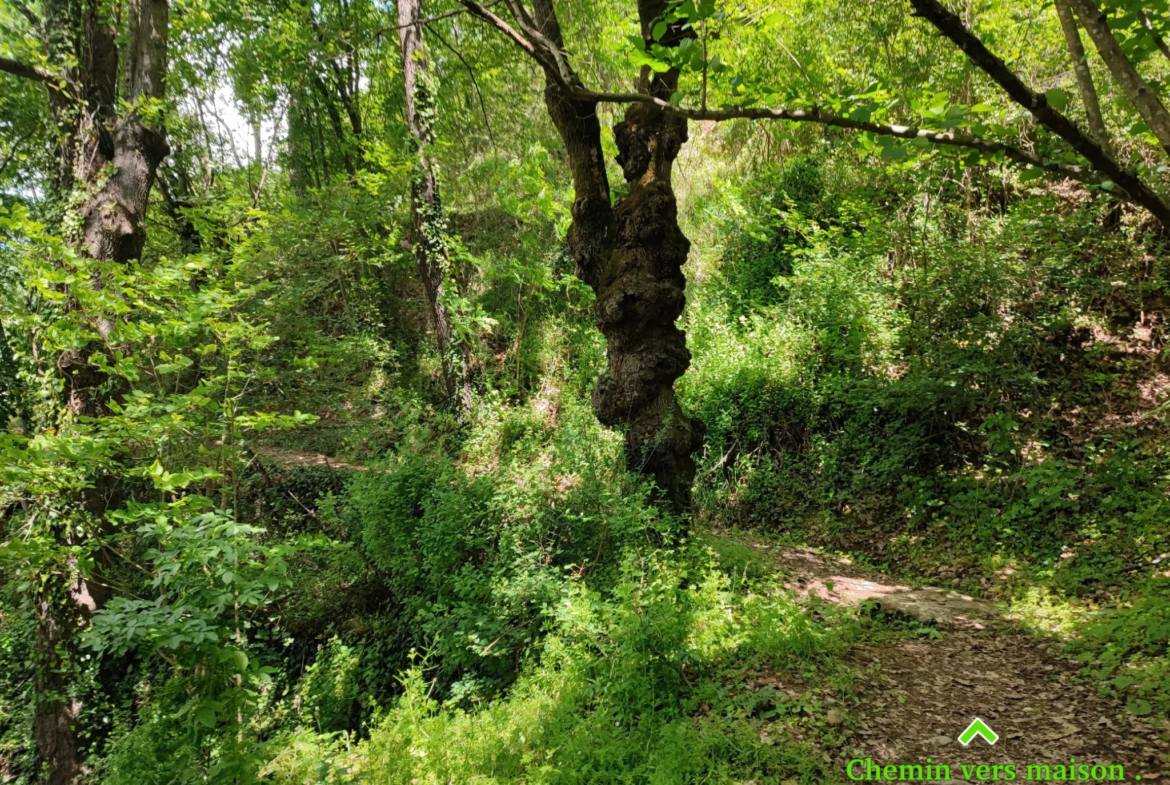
(978, 728)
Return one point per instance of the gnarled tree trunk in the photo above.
(632, 254)
(640, 298)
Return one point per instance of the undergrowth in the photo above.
(968, 397)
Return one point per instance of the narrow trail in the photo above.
(917, 696)
(291, 458)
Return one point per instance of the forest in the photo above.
(755, 392)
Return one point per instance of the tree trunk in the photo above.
(1144, 99)
(590, 237)
(430, 230)
(1088, 90)
(62, 610)
(632, 255)
(641, 297)
(111, 161)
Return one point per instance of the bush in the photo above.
(477, 548)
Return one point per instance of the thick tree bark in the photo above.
(1088, 90)
(590, 236)
(632, 255)
(642, 295)
(63, 608)
(107, 162)
(1144, 99)
(430, 243)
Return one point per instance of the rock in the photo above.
(941, 606)
(939, 741)
(833, 717)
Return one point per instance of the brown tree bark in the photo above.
(590, 237)
(1144, 99)
(430, 242)
(107, 162)
(632, 255)
(1088, 90)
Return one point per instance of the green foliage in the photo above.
(311, 567)
(950, 399)
(1126, 649)
(770, 224)
(478, 550)
(617, 688)
(328, 691)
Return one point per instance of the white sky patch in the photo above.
(235, 138)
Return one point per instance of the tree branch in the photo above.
(1144, 99)
(482, 12)
(35, 73)
(818, 117)
(1159, 41)
(1104, 167)
(437, 17)
(952, 27)
(474, 82)
(1088, 90)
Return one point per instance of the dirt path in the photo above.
(917, 696)
(289, 458)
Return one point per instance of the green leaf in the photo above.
(1057, 98)
(1031, 174)
(1139, 707)
(205, 715)
(1107, 185)
(659, 30)
(239, 659)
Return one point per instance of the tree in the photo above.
(430, 233)
(110, 143)
(1088, 91)
(1145, 100)
(632, 252)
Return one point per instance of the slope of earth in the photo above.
(912, 698)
